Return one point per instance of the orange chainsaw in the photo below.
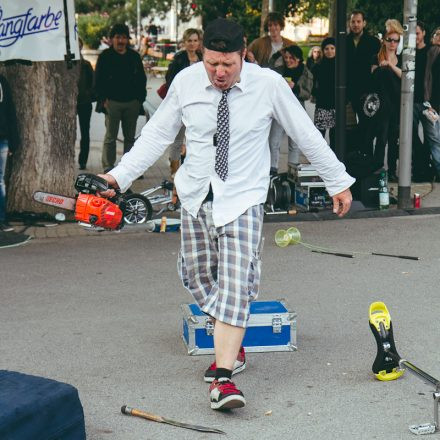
(90, 209)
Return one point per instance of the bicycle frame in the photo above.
(164, 199)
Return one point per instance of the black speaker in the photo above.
(366, 190)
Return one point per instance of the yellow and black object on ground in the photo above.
(386, 364)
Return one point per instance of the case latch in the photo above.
(209, 327)
(277, 324)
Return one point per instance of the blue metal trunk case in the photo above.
(271, 327)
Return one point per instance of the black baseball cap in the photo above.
(223, 35)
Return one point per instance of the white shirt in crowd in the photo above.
(276, 47)
(260, 96)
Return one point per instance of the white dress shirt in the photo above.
(260, 96)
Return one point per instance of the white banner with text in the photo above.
(35, 30)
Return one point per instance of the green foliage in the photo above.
(247, 12)
(91, 28)
(305, 50)
(163, 63)
(305, 9)
(377, 13)
(125, 11)
(103, 6)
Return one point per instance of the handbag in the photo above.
(162, 90)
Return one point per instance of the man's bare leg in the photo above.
(227, 343)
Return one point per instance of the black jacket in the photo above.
(120, 77)
(359, 64)
(324, 83)
(86, 93)
(419, 81)
(179, 63)
(435, 93)
(8, 119)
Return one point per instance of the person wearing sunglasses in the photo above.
(386, 69)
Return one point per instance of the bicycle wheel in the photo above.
(138, 209)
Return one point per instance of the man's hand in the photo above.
(112, 183)
(342, 202)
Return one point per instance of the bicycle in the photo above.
(140, 206)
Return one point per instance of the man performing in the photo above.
(227, 107)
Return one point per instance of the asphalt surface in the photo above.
(102, 312)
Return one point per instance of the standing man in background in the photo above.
(264, 51)
(121, 90)
(260, 51)
(361, 48)
(422, 170)
(86, 96)
(432, 98)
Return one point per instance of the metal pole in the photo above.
(138, 12)
(341, 76)
(177, 23)
(69, 56)
(270, 5)
(406, 104)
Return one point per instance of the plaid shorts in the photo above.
(221, 266)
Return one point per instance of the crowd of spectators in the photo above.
(374, 70)
(373, 92)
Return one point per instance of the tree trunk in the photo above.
(332, 19)
(45, 98)
(264, 12)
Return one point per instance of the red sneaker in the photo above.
(239, 365)
(225, 395)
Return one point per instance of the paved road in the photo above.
(102, 313)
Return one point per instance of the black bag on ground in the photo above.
(360, 164)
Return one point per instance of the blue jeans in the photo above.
(3, 157)
(431, 133)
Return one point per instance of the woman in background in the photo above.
(386, 70)
(324, 91)
(290, 64)
(192, 41)
(314, 57)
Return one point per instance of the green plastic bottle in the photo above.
(384, 195)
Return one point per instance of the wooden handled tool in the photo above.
(155, 418)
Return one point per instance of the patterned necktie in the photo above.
(221, 154)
